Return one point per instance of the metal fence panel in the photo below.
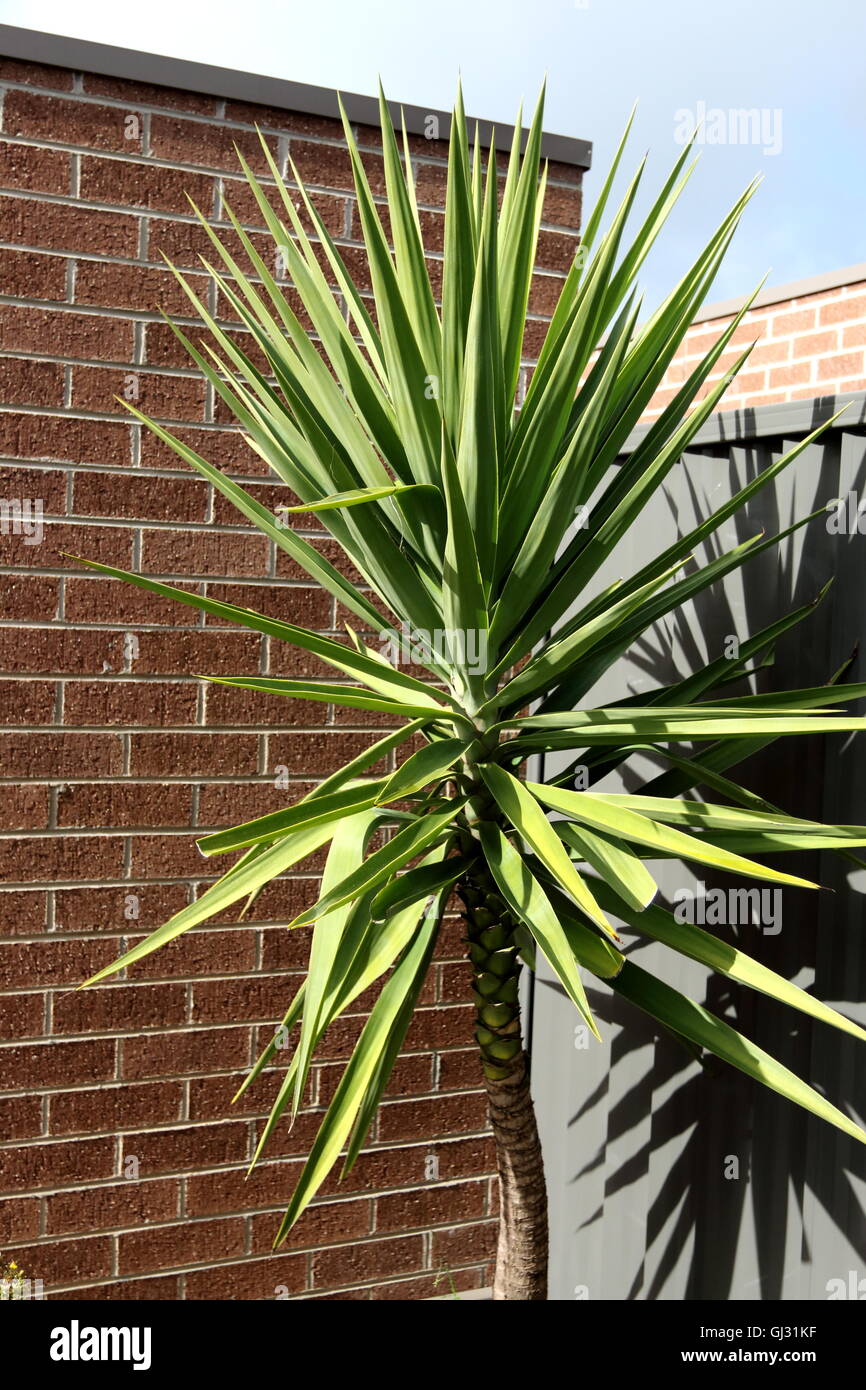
(668, 1180)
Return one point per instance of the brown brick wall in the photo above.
(115, 757)
(808, 344)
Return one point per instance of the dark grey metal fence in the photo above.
(667, 1180)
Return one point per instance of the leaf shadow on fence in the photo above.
(741, 1194)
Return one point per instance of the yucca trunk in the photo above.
(521, 1256)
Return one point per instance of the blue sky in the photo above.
(800, 66)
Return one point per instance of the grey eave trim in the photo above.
(781, 294)
(82, 55)
(756, 422)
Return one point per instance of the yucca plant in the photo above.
(401, 428)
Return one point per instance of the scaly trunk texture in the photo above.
(521, 1257)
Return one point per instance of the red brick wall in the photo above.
(115, 757)
(810, 342)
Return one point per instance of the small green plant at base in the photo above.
(447, 1275)
(14, 1283)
